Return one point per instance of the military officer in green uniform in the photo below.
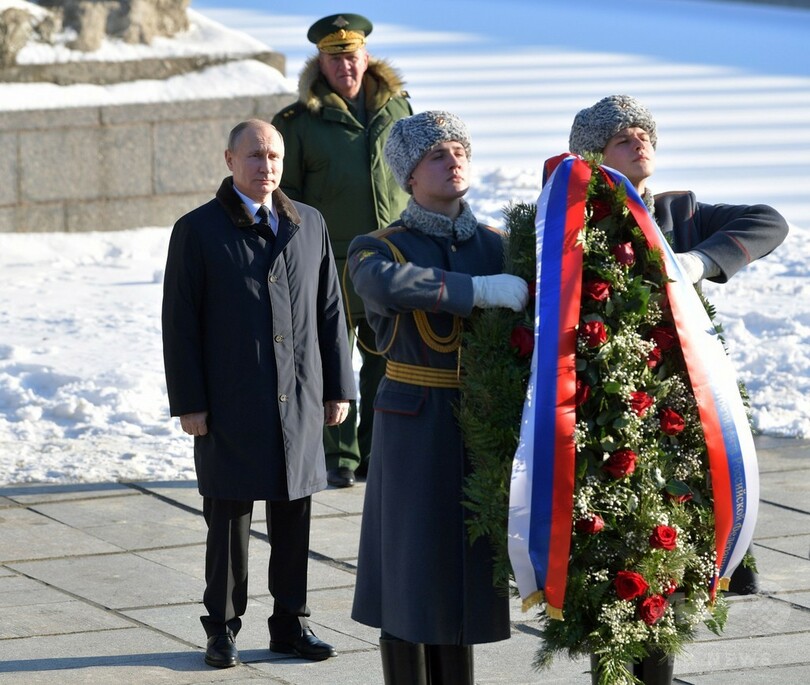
(334, 137)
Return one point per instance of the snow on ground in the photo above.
(82, 394)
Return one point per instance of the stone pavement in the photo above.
(101, 583)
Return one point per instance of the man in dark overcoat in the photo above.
(257, 361)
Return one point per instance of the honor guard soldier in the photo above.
(420, 579)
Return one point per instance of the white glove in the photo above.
(500, 290)
(697, 265)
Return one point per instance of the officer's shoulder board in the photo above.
(396, 227)
(380, 234)
(292, 111)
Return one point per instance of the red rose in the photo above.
(591, 525)
(670, 587)
(652, 609)
(624, 254)
(594, 333)
(630, 584)
(680, 499)
(654, 357)
(596, 289)
(663, 537)
(522, 339)
(665, 337)
(621, 463)
(583, 392)
(599, 210)
(672, 422)
(640, 402)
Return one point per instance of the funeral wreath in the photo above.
(643, 543)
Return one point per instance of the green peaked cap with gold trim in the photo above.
(340, 33)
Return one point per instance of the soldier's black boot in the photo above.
(655, 669)
(404, 663)
(743, 581)
(450, 664)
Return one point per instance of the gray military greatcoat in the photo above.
(418, 576)
(731, 235)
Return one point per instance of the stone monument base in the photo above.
(117, 167)
(145, 145)
(104, 73)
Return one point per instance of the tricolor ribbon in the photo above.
(542, 487)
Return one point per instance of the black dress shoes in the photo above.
(221, 651)
(341, 477)
(307, 647)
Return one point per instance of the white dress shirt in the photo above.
(253, 207)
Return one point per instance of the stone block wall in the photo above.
(116, 167)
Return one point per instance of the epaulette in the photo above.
(293, 110)
(492, 228)
(396, 227)
(672, 192)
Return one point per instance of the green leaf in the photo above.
(604, 418)
(609, 444)
(677, 488)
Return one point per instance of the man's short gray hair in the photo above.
(236, 131)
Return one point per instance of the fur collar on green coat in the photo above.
(381, 82)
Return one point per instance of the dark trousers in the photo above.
(226, 565)
(349, 444)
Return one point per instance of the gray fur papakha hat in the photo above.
(594, 126)
(413, 136)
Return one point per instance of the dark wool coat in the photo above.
(731, 235)
(255, 335)
(418, 577)
(335, 162)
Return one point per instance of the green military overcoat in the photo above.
(335, 163)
